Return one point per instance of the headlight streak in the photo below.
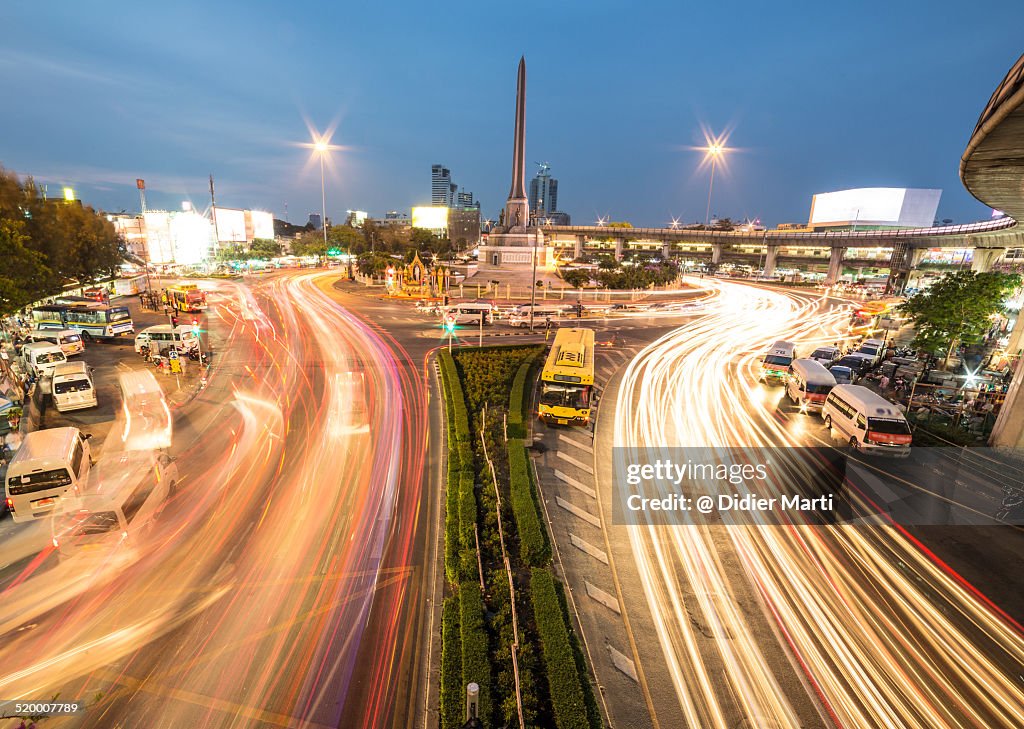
(886, 635)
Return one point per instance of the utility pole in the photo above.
(213, 211)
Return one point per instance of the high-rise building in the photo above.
(543, 192)
(440, 185)
(452, 192)
(464, 200)
(315, 220)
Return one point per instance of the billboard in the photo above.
(430, 218)
(873, 206)
(230, 225)
(262, 224)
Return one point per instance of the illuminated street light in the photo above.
(716, 148)
(321, 147)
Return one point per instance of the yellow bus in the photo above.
(186, 297)
(567, 380)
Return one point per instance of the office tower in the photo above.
(440, 185)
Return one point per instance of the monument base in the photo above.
(513, 251)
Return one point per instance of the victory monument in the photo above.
(513, 241)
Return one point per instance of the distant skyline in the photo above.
(822, 98)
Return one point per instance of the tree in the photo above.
(264, 248)
(345, 237)
(23, 270)
(608, 263)
(310, 243)
(957, 309)
(577, 278)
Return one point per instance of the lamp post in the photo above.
(714, 150)
(322, 148)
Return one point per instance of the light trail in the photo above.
(884, 635)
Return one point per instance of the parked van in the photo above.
(469, 313)
(41, 358)
(73, 387)
(49, 465)
(826, 355)
(808, 384)
(871, 349)
(68, 340)
(162, 337)
(775, 364)
(122, 498)
(867, 421)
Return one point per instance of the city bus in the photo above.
(186, 297)
(92, 321)
(567, 380)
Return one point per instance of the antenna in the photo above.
(544, 168)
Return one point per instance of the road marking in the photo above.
(623, 664)
(582, 446)
(585, 546)
(606, 599)
(579, 464)
(577, 511)
(575, 484)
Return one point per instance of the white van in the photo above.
(41, 358)
(826, 355)
(808, 384)
(469, 313)
(520, 316)
(867, 421)
(68, 340)
(147, 418)
(49, 465)
(871, 349)
(775, 364)
(73, 387)
(162, 337)
(122, 498)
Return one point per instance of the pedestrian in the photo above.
(884, 383)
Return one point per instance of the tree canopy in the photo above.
(958, 309)
(47, 243)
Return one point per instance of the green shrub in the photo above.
(460, 415)
(566, 691)
(476, 664)
(516, 401)
(451, 693)
(534, 549)
(467, 527)
(451, 524)
(488, 372)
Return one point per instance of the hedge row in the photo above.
(516, 426)
(461, 415)
(452, 692)
(564, 685)
(476, 664)
(534, 549)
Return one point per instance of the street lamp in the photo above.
(321, 147)
(713, 151)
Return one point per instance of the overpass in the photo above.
(987, 244)
(992, 169)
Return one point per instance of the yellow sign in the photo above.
(175, 366)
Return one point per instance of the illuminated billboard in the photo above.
(182, 238)
(875, 206)
(262, 224)
(430, 218)
(230, 225)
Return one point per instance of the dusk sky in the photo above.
(816, 96)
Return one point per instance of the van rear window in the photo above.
(38, 481)
(63, 388)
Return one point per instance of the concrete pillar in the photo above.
(769, 260)
(916, 256)
(716, 252)
(619, 245)
(985, 258)
(1008, 431)
(835, 265)
(577, 249)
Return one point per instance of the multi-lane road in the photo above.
(846, 625)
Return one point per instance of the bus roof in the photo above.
(871, 403)
(571, 358)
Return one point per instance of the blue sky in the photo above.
(817, 97)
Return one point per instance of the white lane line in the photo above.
(622, 663)
(585, 546)
(575, 484)
(579, 464)
(578, 444)
(606, 599)
(577, 511)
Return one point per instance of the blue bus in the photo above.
(92, 321)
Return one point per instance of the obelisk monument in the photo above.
(513, 241)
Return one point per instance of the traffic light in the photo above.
(174, 320)
(195, 327)
(449, 323)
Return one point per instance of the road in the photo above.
(801, 625)
(285, 585)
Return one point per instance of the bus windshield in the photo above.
(570, 396)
